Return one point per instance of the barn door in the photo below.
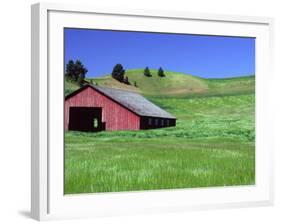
(85, 119)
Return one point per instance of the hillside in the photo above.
(175, 84)
(70, 87)
(212, 144)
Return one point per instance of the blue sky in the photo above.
(204, 56)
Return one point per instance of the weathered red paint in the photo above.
(115, 115)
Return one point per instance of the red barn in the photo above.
(95, 108)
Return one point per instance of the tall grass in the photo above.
(212, 145)
(129, 165)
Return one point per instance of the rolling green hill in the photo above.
(174, 84)
(70, 87)
(213, 143)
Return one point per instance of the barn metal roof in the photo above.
(134, 101)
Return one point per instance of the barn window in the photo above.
(95, 123)
(156, 122)
(168, 122)
(149, 121)
(162, 122)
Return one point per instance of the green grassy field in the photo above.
(213, 143)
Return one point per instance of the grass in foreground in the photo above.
(113, 165)
(212, 145)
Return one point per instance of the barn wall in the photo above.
(162, 122)
(115, 116)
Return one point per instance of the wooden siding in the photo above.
(114, 115)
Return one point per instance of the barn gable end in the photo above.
(114, 115)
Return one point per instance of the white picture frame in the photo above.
(48, 201)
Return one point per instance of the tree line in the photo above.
(76, 72)
(119, 72)
(160, 72)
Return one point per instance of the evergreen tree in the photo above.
(80, 79)
(146, 72)
(126, 80)
(75, 71)
(161, 72)
(118, 72)
(69, 69)
(79, 70)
